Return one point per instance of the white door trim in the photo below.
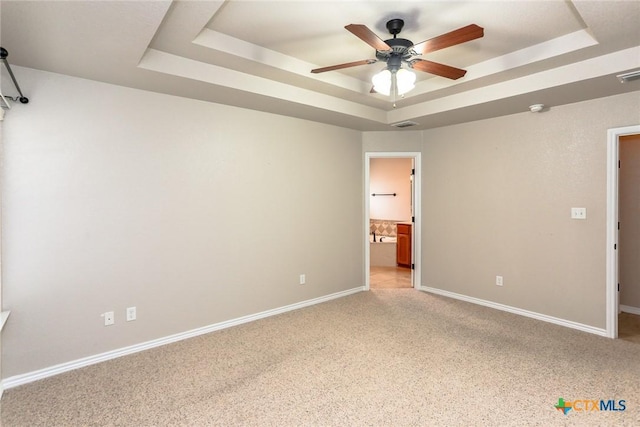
(417, 233)
(613, 156)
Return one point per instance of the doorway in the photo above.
(614, 226)
(629, 237)
(398, 209)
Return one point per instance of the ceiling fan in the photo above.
(398, 51)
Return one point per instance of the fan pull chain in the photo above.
(394, 88)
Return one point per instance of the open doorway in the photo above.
(392, 220)
(619, 229)
(629, 237)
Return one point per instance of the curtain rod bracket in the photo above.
(3, 57)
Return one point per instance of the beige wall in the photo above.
(392, 141)
(629, 214)
(388, 176)
(195, 213)
(198, 213)
(496, 199)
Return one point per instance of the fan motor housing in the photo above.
(399, 47)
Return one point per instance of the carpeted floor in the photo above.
(396, 357)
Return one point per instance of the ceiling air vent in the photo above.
(405, 124)
(628, 77)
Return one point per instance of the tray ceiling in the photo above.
(258, 54)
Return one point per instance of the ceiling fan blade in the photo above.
(438, 69)
(345, 65)
(367, 36)
(461, 35)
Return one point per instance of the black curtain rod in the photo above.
(3, 56)
(383, 194)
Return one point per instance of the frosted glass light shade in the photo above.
(406, 81)
(382, 82)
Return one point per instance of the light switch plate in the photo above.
(578, 213)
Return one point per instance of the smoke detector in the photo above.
(536, 108)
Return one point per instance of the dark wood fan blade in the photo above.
(438, 69)
(367, 36)
(461, 35)
(345, 65)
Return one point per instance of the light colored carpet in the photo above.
(381, 358)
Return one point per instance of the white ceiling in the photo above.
(258, 54)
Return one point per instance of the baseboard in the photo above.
(629, 309)
(519, 311)
(102, 357)
(3, 319)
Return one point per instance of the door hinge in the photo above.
(413, 171)
(618, 287)
(618, 225)
(413, 266)
(618, 164)
(413, 219)
(615, 246)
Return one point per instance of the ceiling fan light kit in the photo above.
(401, 80)
(395, 80)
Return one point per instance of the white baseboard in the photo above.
(3, 319)
(629, 309)
(519, 311)
(102, 357)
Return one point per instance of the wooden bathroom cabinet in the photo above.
(403, 246)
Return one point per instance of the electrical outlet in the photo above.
(578, 213)
(499, 280)
(131, 314)
(303, 279)
(109, 318)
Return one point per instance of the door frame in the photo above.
(612, 294)
(416, 233)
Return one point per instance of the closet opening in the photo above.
(621, 293)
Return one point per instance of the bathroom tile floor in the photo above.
(389, 277)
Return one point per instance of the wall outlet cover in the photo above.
(109, 318)
(578, 213)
